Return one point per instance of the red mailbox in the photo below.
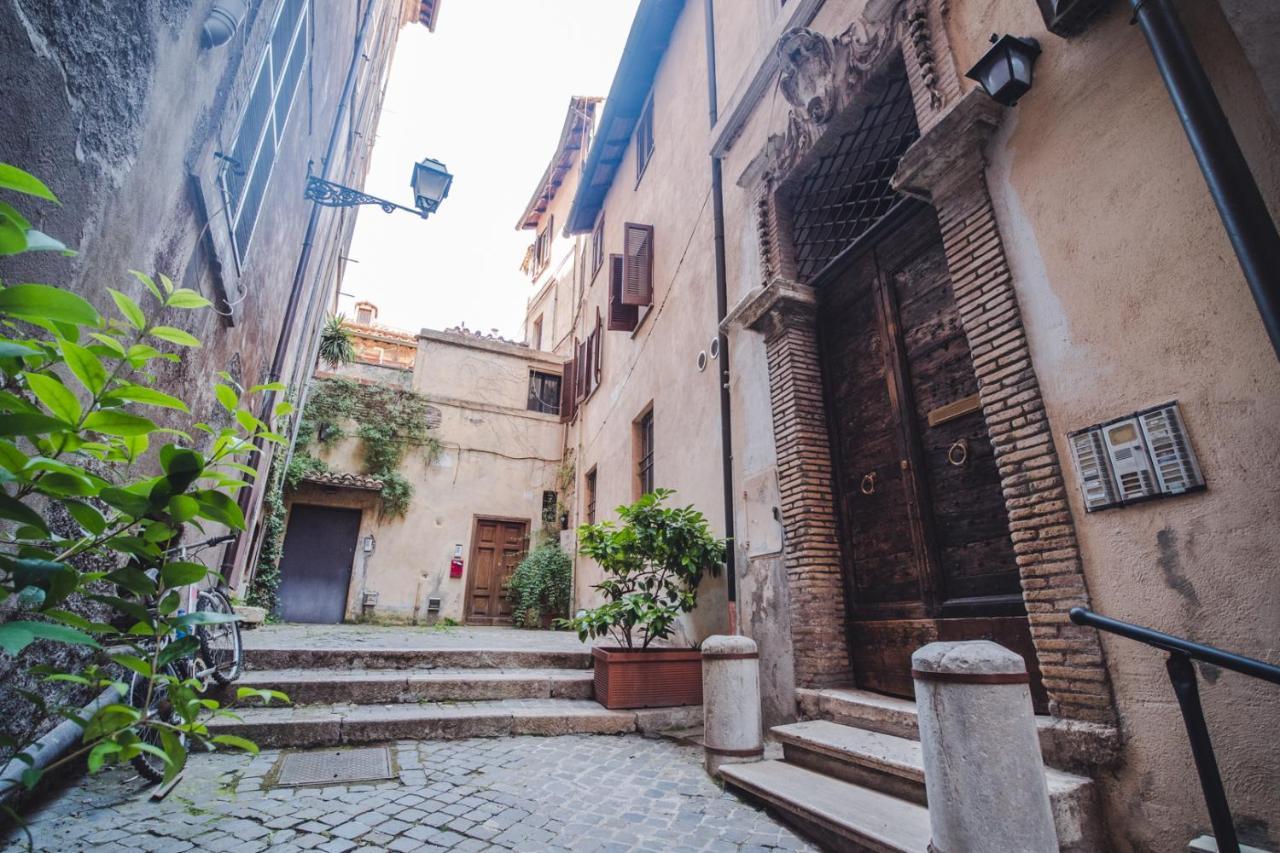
(455, 567)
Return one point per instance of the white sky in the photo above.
(486, 94)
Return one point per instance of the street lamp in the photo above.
(1004, 71)
(430, 183)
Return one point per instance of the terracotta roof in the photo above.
(342, 480)
(579, 124)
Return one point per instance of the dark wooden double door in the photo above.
(497, 548)
(924, 531)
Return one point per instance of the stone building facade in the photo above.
(179, 137)
(931, 299)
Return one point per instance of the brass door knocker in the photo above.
(869, 483)
(958, 453)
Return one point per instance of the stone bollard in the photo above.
(983, 772)
(732, 730)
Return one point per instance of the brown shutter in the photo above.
(637, 279)
(579, 370)
(568, 399)
(622, 317)
(598, 343)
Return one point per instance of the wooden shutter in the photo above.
(568, 399)
(598, 351)
(622, 317)
(637, 279)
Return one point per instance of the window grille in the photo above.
(544, 392)
(847, 190)
(645, 467)
(262, 124)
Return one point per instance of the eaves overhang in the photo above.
(646, 43)
(579, 121)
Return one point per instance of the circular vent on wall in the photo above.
(702, 360)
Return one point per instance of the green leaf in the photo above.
(17, 423)
(16, 636)
(13, 238)
(203, 617)
(147, 396)
(136, 445)
(175, 336)
(86, 516)
(219, 507)
(184, 298)
(10, 456)
(85, 365)
(185, 647)
(134, 580)
(42, 302)
(235, 742)
(99, 754)
(129, 309)
(133, 663)
(13, 213)
(177, 755)
(38, 241)
(166, 283)
(270, 386)
(183, 573)
(226, 396)
(183, 508)
(109, 342)
(13, 349)
(14, 510)
(13, 178)
(55, 396)
(112, 422)
(130, 504)
(266, 696)
(148, 283)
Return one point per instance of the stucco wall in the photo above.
(495, 460)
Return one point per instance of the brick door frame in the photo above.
(945, 167)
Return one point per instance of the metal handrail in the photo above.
(1182, 675)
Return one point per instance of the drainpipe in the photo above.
(722, 310)
(52, 745)
(1234, 190)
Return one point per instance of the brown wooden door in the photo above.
(497, 548)
(924, 530)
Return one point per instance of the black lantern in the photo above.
(431, 181)
(1004, 71)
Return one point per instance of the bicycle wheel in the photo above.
(148, 765)
(219, 642)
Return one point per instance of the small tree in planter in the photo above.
(653, 564)
(541, 587)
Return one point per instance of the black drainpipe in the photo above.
(722, 309)
(1235, 192)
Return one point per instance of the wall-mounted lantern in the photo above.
(1004, 71)
(430, 182)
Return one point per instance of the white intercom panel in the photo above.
(1139, 456)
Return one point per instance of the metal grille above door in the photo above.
(848, 190)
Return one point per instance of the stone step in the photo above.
(895, 766)
(841, 815)
(356, 657)
(331, 725)
(1070, 745)
(379, 686)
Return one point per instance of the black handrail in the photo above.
(1182, 675)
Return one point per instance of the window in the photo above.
(569, 388)
(622, 317)
(537, 333)
(550, 500)
(589, 496)
(542, 248)
(644, 138)
(644, 452)
(588, 361)
(597, 246)
(637, 273)
(262, 123)
(544, 392)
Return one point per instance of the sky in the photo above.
(486, 93)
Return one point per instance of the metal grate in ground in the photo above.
(334, 767)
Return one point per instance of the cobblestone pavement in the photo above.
(580, 793)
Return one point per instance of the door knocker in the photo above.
(869, 483)
(958, 453)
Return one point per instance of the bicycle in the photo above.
(220, 658)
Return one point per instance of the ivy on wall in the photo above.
(391, 423)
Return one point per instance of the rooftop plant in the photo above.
(653, 563)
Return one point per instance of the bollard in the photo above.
(983, 772)
(731, 731)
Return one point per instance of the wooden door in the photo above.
(497, 548)
(924, 530)
(315, 567)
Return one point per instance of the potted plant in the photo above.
(541, 587)
(653, 562)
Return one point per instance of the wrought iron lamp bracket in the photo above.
(330, 194)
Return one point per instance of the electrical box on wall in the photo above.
(1135, 458)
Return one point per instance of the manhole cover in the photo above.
(334, 767)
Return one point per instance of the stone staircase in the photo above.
(353, 695)
(852, 777)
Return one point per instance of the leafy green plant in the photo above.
(77, 401)
(541, 585)
(336, 345)
(653, 564)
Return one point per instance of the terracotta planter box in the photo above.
(650, 678)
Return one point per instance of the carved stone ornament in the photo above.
(807, 77)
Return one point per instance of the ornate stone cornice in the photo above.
(771, 308)
(951, 151)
